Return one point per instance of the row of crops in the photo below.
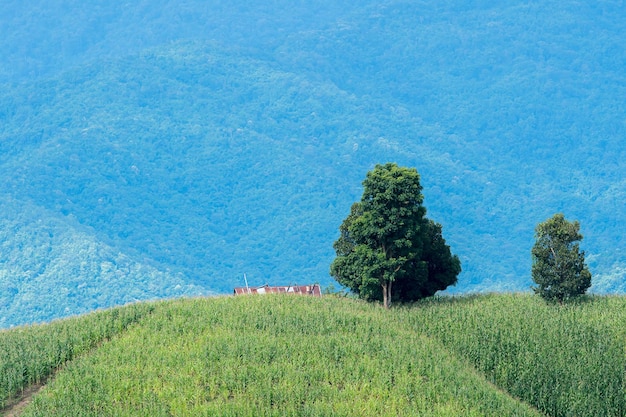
(271, 356)
(29, 354)
(492, 355)
(566, 360)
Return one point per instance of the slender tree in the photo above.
(559, 268)
(387, 248)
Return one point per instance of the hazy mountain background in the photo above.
(164, 148)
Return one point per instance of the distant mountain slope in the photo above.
(39, 38)
(53, 266)
(205, 164)
(209, 140)
(528, 103)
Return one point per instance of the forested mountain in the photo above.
(164, 148)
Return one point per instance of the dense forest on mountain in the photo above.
(165, 148)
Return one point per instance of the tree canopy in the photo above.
(388, 249)
(559, 268)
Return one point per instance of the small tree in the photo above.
(558, 267)
(387, 248)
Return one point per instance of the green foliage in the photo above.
(284, 355)
(387, 248)
(30, 354)
(272, 356)
(559, 268)
(565, 360)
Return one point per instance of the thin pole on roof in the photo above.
(246, 280)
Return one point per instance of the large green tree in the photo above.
(387, 249)
(559, 268)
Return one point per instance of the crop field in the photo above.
(277, 355)
(29, 354)
(567, 360)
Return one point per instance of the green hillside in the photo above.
(496, 355)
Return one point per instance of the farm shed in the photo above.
(313, 290)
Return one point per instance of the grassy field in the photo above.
(30, 354)
(567, 360)
(497, 355)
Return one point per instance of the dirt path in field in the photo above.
(15, 406)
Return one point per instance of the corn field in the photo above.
(566, 360)
(29, 354)
(277, 355)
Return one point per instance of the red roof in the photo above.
(314, 290)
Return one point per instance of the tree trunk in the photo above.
(385, 300)
(386, 294)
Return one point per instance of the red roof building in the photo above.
(313, 290)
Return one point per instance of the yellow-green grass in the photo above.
(273, 356)
(567, 360)
(493, 355)
(29, 354)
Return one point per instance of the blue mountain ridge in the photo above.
(192, 143)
